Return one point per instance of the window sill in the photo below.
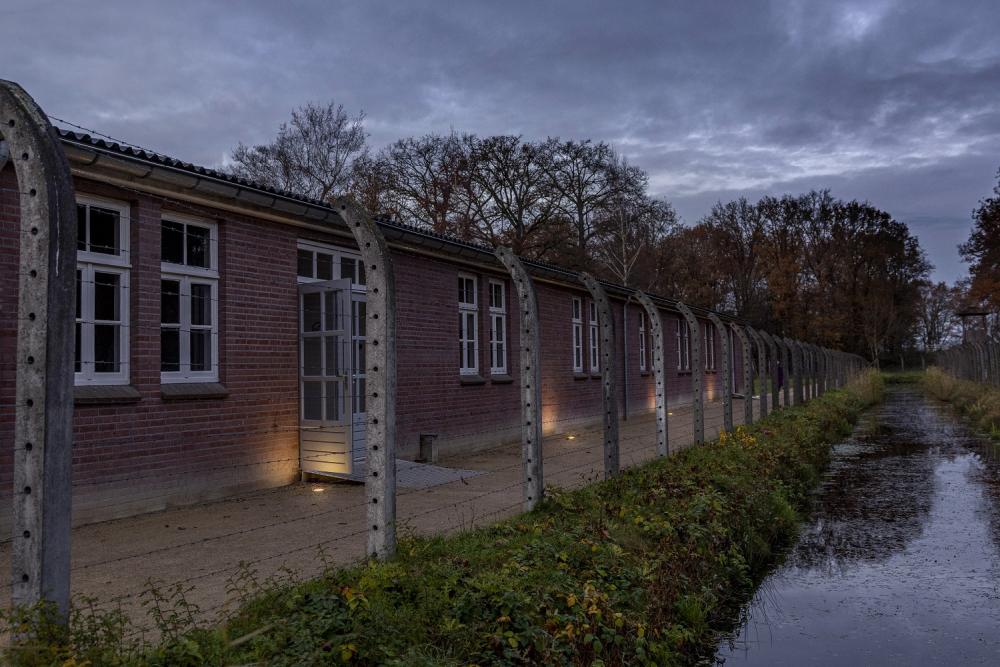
(470, 380)
(192, 390)
(501, 379)
(683, 372)
(580, 376)
(644, 373)
(105, 394)
(596, 376)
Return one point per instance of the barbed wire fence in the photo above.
(292, 527)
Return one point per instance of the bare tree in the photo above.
(373, 185)
(938, 322)
(630, 226)
(584, 177)
(735, 232)
(508, 194)
(431, 180)
(312, 155)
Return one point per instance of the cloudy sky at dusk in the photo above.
(897, 102)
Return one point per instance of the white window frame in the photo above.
(595, 345)
(89, 263)
(498, 328)
(642, 340)
(709, 334)
(683, 345)
(186, 275)
(338, 255)
(576, 317)
(465, 335)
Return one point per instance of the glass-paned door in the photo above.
(326, 356)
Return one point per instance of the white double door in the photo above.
(331, 377)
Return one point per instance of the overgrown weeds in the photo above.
(980, 403)
(639, 570)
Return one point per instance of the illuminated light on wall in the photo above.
(318, 489)
(571, 437)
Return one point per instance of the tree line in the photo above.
(842, 273)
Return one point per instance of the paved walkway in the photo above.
(303, 526)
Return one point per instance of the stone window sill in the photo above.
(182, 391)
(471, 380)
(581, 376)
(105, 394)
(501, 379)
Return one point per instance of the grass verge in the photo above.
(980, 403)
(639, 570)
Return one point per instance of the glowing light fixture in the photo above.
(318, 489)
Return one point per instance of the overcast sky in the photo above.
(896, 102)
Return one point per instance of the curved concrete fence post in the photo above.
(779, 361)
(814, 376)
(659, 371)
(761, 346)
(530, 339)
(43, 416)
(994, 363)
(825, 387)
(806, 367)
(981, 363)
(727, 373)
(607, 350)
(380, 367)
(795, 349)
(786, 364)
(697, 374)
(746, 356)
(813, 370)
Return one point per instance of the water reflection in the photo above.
(899, 563)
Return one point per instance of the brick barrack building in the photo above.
(220, 338)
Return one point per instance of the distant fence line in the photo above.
(977, 362)
(43, 436)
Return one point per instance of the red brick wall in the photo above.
(9, 242)
(154, 453)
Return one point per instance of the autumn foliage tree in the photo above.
(841, 273)
(982, 252)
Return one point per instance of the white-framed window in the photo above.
(189, 300)
(468, 325)
(317, 262)
(683, 345)
(642, 340)
(498, 328)
(595, 350)
(102, 289)
(577, 320)
(709, 346)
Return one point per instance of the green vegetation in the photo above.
(640, 570)
(979, 402)
(905, 377)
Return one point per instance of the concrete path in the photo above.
(303, 527)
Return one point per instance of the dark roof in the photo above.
(392, 228)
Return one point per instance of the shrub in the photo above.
(639, 570)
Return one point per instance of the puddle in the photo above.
(900, 561)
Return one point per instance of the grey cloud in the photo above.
(891, 100)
